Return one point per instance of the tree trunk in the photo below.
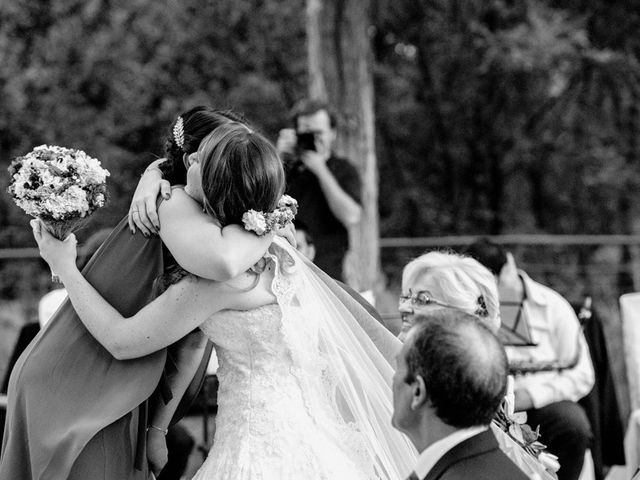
(339, 62)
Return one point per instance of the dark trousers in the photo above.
(565, 430)
(179, 444)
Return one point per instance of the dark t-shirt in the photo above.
(330, 237)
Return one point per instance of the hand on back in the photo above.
(143, 212)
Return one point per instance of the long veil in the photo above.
(328, 332)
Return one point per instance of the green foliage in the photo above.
(507, 117)
(109, 77)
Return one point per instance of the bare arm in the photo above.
(188, 357)
(341, 204)
(345, 208)
(175, 313)
(183, 307)
(189, 351)
(201, 247)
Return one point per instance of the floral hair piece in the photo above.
(262, 223)
(178, 132)
(481, 311)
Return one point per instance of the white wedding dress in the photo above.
(266, 426)
(287, 407)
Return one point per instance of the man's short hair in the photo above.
(308, 106)
(490, 254)
(463, 365)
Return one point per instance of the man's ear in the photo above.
(419, 391)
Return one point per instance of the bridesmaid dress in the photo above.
(75, 411)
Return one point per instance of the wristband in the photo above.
(163, 430)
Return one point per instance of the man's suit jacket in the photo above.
(477, 458)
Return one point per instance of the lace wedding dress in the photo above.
(266, 426)
(287, 405)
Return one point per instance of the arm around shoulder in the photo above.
(178, 311)
(201, 247)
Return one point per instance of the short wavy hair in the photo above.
(458, 280)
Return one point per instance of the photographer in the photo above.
(327, 187)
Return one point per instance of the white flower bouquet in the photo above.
(60, 186)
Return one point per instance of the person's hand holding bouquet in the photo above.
(59, 186)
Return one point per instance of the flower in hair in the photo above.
(255, 221)
(289, 202)
(178, 132)
(261, 223)
(481, 310)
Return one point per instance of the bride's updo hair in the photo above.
(459, 281)
(241, 171)
(196, 124)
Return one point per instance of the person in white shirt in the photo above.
(558, 365)
(450, 380)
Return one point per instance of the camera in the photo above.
(306, 141)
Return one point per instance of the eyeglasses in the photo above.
(421, 299)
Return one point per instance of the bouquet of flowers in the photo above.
(514, 425)
(60, 186)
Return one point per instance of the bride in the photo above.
(304, 371)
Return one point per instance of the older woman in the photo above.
(442, 279)
(438, 280)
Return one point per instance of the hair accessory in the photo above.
(178, 132)
(262, 223)
(481, 311)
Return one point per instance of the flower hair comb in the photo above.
(262, 223)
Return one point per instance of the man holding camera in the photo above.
(326, 187)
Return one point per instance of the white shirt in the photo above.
(434, 452)
(556, 331)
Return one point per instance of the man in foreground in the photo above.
(450, 379)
